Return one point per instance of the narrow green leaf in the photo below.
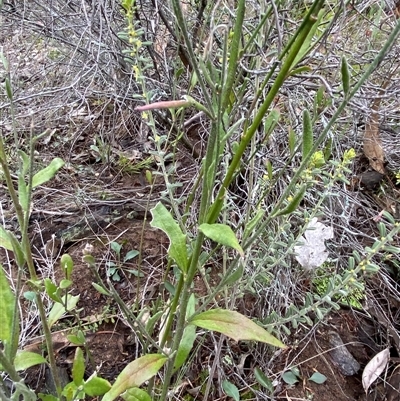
(231, 390)
(7, 300)
(328, 149)
(345, 76)
(17, 249)
(163, 220)
(26, 162)
(135, 374)
(299, 70)
(319, 102)
(292, 141)
(9, 89)
(189, 335)
(136, 394)
(222, 234)
(47, 173)
(101, 289)
(252, 224)
(263, 380)
(78, 367)
(270, 123)
(234, 325)
(294, 203)
(308, 139)
(22, 193)
(235, 276)
(25, 359)
(318, 378)
(152, 322)
(96, 386)
(58, 310)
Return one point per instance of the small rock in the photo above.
(371, 180)
(341, 356)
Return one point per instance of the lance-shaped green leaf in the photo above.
(47, 173)
(135, 374)
(252, 224)
(189, 335)
(345, 76)
(26, 162)
(7, 300)
(17, 249)
(263, 379)
(235, 276)
(163, 220)
(292, 141)
(78, 367)
(294, 203)
(270, 123)
(9, 89)
(231, 390)
(22, 193)
(234, 325)
(222, 234)
(307, 134)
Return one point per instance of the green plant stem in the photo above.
(9, 367)
(302, 35)
(233, 56)
(208, 181)
(184, 300)
(386, 47)
(192, 57)
(29, 260)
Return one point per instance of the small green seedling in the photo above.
(293, 376)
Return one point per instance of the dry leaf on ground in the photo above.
(374, 368)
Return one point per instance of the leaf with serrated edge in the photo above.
(231, 390)
(135, 374)
(163, 220)
(374, 368)
(234, 325)
(263, 379)
(47, 173)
